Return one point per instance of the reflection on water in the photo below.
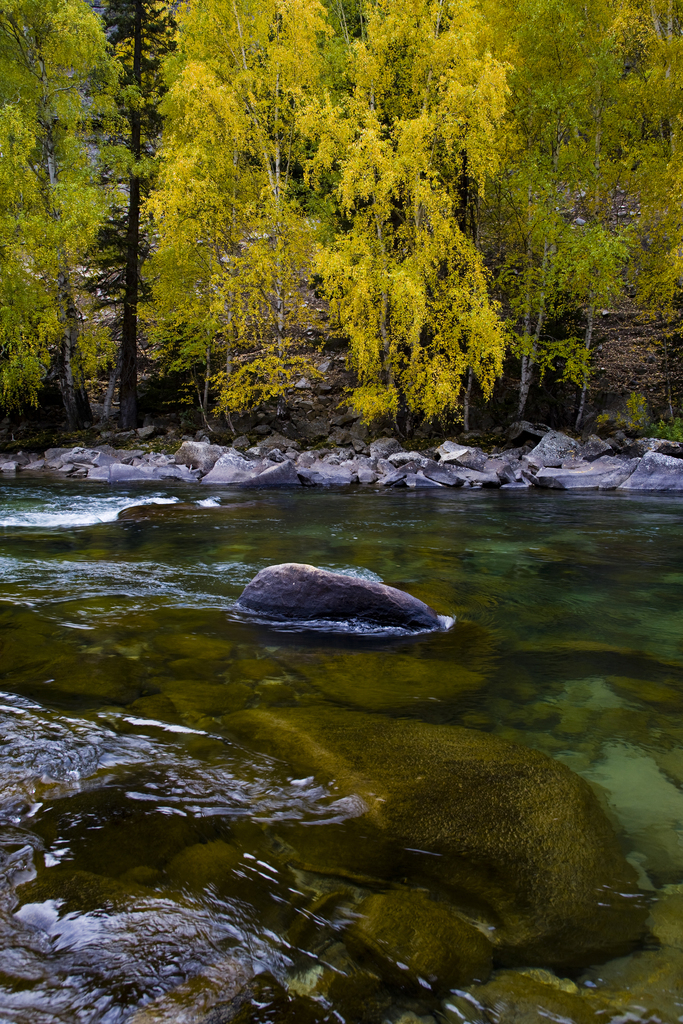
(183, 807)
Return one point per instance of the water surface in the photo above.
(144, 845)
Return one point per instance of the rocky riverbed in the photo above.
(535, 457)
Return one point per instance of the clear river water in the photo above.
(165, 856)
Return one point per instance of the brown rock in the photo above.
(524, 845)
(414, 938)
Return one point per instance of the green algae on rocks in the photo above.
(414, 938)
(523, 844)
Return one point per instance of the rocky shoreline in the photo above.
(533, 457)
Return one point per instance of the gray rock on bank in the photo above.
(655, 472)
(604, 474)
(198, 455)
(554, 448)
(297, 592)
(555, 462)
(122, 474)
(232, 468)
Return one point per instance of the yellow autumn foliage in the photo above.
(406, 283)
(234, 246)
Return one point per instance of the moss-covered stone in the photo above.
(647, 986)
(336, 979)
(203, 864)
(534, 997)
(521, 837)
(666, 920)
(413, 938)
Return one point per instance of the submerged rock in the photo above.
(220, 985)
(521, 842)
(666, 920)
(647, 986)
(529, 997)
(414, 938)
(333, 978)
(293, 591)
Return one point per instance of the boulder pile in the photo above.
(550, 460)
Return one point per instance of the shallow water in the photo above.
(144, 844)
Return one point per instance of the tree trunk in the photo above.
(529, 361)
(128, 387)
(111, 387)
(207, 381)
(466, 401)
(588, 338)
(74, 396)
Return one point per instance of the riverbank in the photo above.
(533, 457)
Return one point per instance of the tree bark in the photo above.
(529, 361)
(466, 401)
(588, 338)
(111, 386)
(74, 397)
(128, 386)
(75, 400)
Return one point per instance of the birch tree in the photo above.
(53, 64)
(235, 247)
(405, 280)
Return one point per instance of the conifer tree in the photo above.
(142, 34)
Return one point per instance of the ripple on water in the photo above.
(92, 946)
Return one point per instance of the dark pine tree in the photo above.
(142, 32)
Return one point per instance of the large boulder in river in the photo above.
(508, 837)
(293, 592)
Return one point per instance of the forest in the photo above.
(198, 199)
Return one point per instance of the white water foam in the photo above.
(354, 627)
(83, 511)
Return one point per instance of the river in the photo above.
(151, 852)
